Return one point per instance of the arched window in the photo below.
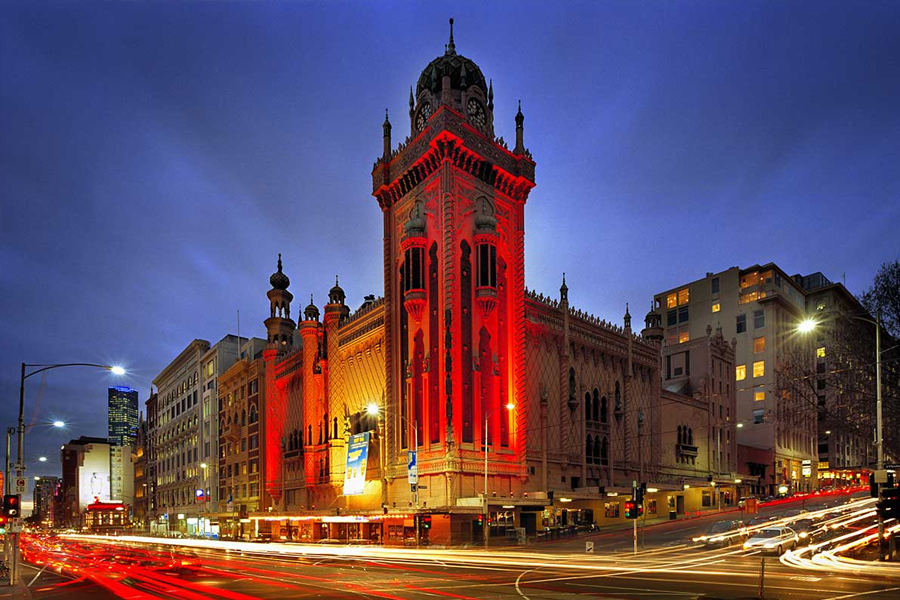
(604, 452)
(598, 458)
(229, 419)
(618, 398)
(335, 436)
(309, 435)
(254, 415)
(243, 417)
(588, 409)
(680, 439)
(604, 410)
(589, 450)
(320, 434)
(572, 387)
(596, 406)
(690, 437)
(325, 425)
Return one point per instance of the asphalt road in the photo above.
(670, 566)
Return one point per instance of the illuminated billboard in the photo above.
(357, 457)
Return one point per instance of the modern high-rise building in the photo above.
(44, 488)
(123, 424)
(760, 307)
(123, 415)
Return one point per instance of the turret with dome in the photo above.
(458, 82)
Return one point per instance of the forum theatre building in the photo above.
(458, 361)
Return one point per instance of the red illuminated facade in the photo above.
(455, 339)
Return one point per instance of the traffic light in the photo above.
(480, 520)
(639, 493)
(3, 521)
(631, 509)
(11, 506)
(889, 505)
(426, 521)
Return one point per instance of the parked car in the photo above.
(722, 533)
(773, 539)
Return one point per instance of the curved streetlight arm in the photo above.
(48, 367)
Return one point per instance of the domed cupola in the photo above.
(278, 279)
(311, 312)
(653, 329)
(336, 294)
(463, 72)
(455, 81)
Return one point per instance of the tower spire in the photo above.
(491, 95)
(451, 47)
(520, 129)
(387, 137)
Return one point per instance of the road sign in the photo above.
(589, 547)
(21, 485)
(412, 468)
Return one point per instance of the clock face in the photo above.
(422, 117)
(476, 112)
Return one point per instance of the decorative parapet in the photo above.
(364, 310)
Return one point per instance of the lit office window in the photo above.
(759, 368)
(759, 344)
(683, 296)
(716, 307)
(820, 352)
(740, 372)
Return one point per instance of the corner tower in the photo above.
(453, 199)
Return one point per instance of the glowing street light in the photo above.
(43, 459)
(372, 409)
(806, 326)
(58, 424)
(117, 370)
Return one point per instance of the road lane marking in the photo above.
(518, 589)
(857, 594)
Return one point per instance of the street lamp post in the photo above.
(484, 443)
(810, 324)
(20, 466)
(374, 410)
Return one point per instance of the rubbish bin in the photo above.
(672, 515)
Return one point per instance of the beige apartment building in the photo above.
(759, 308)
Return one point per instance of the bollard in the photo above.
(762, 577)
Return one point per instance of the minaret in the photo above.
(520, 130)
(280, 337)
(279, 326)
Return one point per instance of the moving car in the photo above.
(807, 530)
(722, 533)
(773, 539)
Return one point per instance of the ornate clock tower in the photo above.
(453, 200)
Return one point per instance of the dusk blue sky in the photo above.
(155, 157)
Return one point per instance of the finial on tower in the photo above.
(279, 262)
(520, 130)
(564, 290)
(412, 102)
(451, 47)
(491, 95)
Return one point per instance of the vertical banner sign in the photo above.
(357, 457)
(412, 468)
